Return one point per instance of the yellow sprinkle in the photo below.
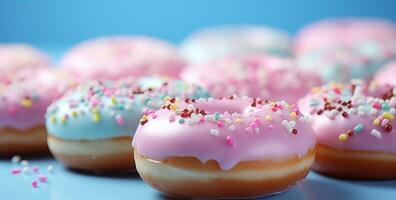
(376, 122)
(26, 103)
(74, 114)
(316, 90)
(238, 121)
(166, 98)
(144, 117)
(95, 110)
(53, 119)
(268, 118)
(293, 114)
(96, 117)
(173, 107)
(63, 120)
(343, 137)
(113, 100)
(387, 115)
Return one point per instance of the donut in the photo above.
(355, 134)
(123, 56)
(90, 127)
(384, 82)
(224, 148)
(346, 49)
(268, 77)
(219, 42)
(24, 98)
(14, 57)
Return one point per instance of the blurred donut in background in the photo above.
(123, 56)
(14, 57)
(24, 98)
(233, 40)
(384, 82)
(269, 77)
(343, 49)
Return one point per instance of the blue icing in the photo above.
(86, 122)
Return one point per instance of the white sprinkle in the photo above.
(50, 168)
(232, 128)
(257, 130)
(24, 163)
(214, 132)
(25, 170)
(287, 126)
(392, 110)
(16, 159)
(375, 133)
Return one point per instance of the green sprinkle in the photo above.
(358, 128)
(216, 116)
(181, 121)
(385, 106)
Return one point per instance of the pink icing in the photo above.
(14, 57)
(123, 56)
(344, 32)
(24, 97)
(268, 77)
(330, 123)
(386, 77)
(230, 131)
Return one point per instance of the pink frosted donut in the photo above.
(24, 98)
(123, 56)
(268, 77)
(14, 57)
(349, 32)
(355, 133)
(344, 49)
(226, 148)
(384, 82)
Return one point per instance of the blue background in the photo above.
(65, 22)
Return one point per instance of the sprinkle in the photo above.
(232, 128)
(16, 171)
(270, 127)
(96, 117)
(25, 170)
(375, 133)
(35, 169)
(384, 122)
(26, 103)
(24, 163)
(238, 121)
(388, 128)
(214, 132)
(53, 120)
(268, 118)
(220, 124)
(120, 120)
(216, 116)
(387, 115)
(376, 122)
(42, 178)
(74, 114)
(293, 115)
(16, 159)
(35, 183)
(12, 110)
(50, 168)
(358, 128)
(343, 137)
(181, 121)
(230, 141)
(173, 107)
(113, 100)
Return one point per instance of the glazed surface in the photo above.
(344, 117)
(228, 131)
